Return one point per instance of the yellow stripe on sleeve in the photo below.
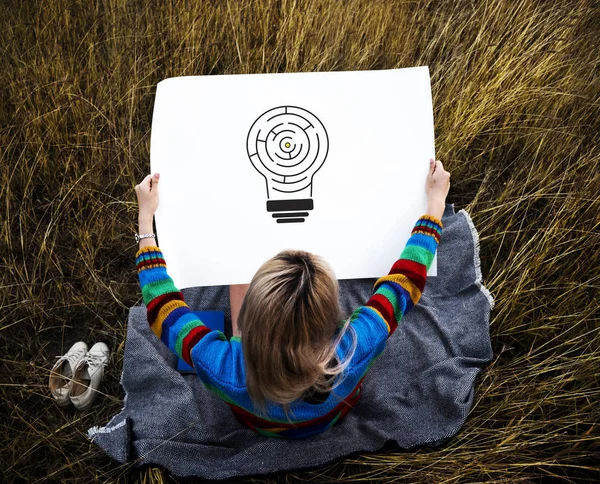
(405, 282)
(163, 313)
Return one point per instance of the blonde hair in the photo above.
(287, 322)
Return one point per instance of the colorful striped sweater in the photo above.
(219, 361)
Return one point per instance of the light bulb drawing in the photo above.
(288, 145)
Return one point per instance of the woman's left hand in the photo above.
(147, 195)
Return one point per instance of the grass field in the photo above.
(516, 91)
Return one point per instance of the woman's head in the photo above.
(287, 320)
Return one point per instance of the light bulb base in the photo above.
(290, 211)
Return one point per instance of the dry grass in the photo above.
(516, 97)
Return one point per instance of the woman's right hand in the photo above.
(437, 184)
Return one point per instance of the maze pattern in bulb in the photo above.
(288, 144)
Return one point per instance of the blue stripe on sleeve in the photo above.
(175, 329)
(426, 241)
(154, 274)
(170, 320)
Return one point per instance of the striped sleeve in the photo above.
(399, 291)
(169, 316)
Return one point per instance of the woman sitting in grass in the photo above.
(298, 367)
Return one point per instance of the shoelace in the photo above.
(95, 360)
(72, 357)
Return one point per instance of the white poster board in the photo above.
(351, 148)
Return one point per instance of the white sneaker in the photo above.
(88, 375)
(61, 375)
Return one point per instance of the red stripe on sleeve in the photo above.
(150, 262)
(158, 302)
(195, 335)
(428, 230)
(384, 306)
(415, 271)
